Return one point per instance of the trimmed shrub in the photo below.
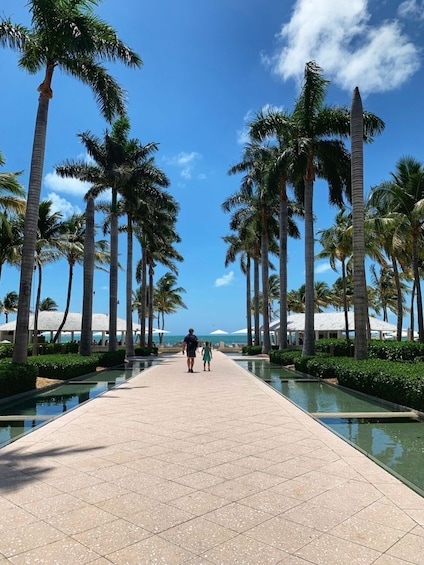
(6, 350)
(396, 350)
(335, 347)
(16, 378)
(251, 349)
(284, 356)
(145, 351)
(64, 366)
(111, 358)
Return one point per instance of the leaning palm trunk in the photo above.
(309, 337)
(20, 350)
(143, 297)
(68, 303)
(360, 299)
(87, 303)
(345, 308)
(129, 342)
(282, 344)
(151, 312)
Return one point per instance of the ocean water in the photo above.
(168, 339)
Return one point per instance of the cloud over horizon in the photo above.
(225, 280)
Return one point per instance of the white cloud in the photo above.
(185, 162)
(411, 9)
(66, 185)
(225, 280)
(323, 268)
(338, 36)
(61, 205)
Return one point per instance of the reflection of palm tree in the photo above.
(65, 36)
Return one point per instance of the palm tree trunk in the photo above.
(20, 350)
(68, 302)
(309, 337)
(266, 345)
(248, 302)
(345, 308)
(113, 275)
(143, 297)
(129, 342)
(415, 261)
(37, 311)
(399, 298)
(151, 314)
(282, 344)
(256, 300)
(360, 298)
(87, 303)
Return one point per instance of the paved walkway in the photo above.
(199, 469)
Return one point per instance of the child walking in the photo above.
(207, 355)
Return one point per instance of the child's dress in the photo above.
(206, 354)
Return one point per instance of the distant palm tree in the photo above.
(66, 35)
(12, 195)
(10, 304)
(167, 299)
(48, 305)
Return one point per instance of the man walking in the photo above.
(190, 344)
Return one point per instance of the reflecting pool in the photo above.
(21, 416)
(388, 434)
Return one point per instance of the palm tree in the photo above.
(167, 299)
(10, 304)
(321, 153)
(11, 236)
(48, 305)
(71, 246)
(11, 192)
(66, 35)
(49, 226)
(404, 193)
(336, 243)
(280, 125)
(113, 157)
(254, 189)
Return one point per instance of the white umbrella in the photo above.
(159, 331)
(219, 332)
(244, 331)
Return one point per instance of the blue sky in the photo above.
(209, 66)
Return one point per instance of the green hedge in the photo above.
(284, 356)
(401, 383)
(335, 347)
(396, 350)
(111, 358)
(16, 378)
(251, 349)
(145, 351)
(64, 366)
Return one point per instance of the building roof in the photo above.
(330, 321)
(50, 322)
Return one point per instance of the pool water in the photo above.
(21, 416)
(393, 441)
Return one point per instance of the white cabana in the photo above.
(327, 325)
(219, 332)
(49, 322)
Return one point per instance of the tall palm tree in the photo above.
(321, 153)
(113, 157)
(65, 35)
(405, 195)
(239, 244)
(141, 195)
(281, 127)
(256, 164)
